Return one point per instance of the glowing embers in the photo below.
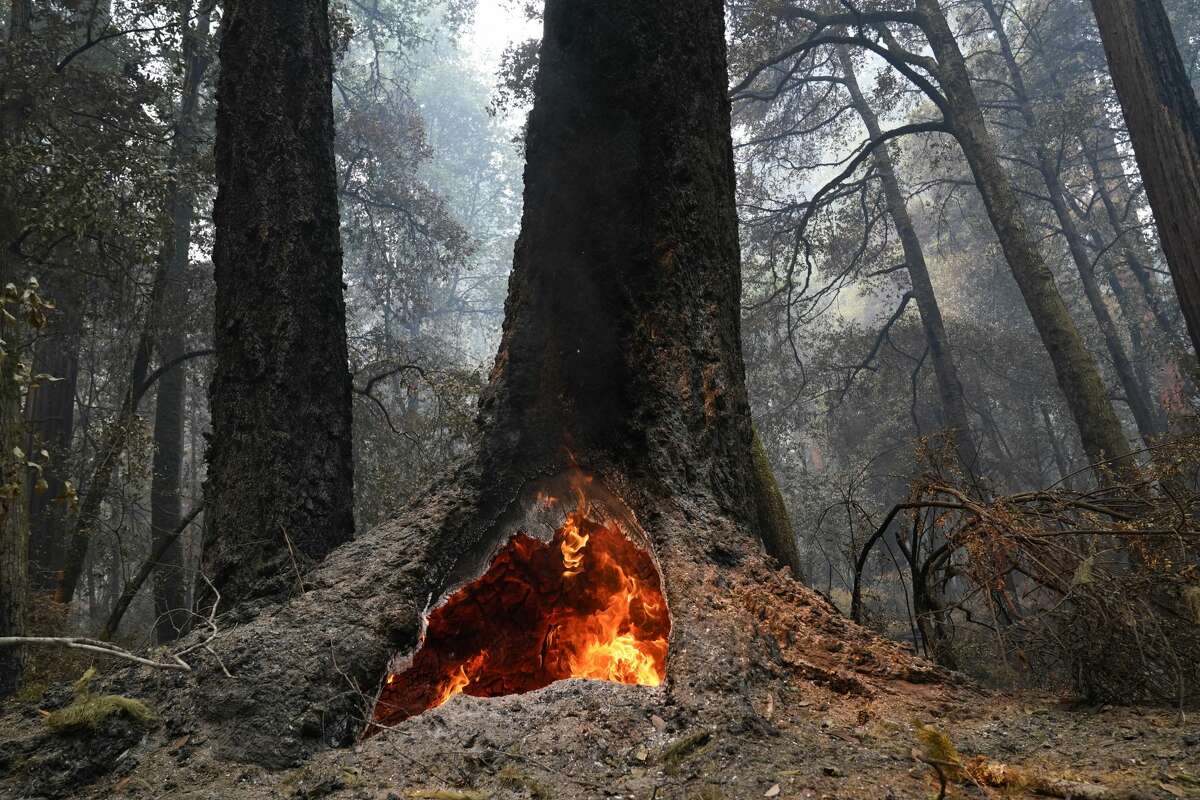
(588, 604)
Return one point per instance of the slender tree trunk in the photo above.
(1149, 421)
(14, 520)
(110, 450)
(50, 416)
(14, 527)
(166, 485)
(1111, 192)
(170, 609)
(280, 482)
(1163, 118)
(1077, 373)
(950, 389)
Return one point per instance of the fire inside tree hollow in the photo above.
(586, 604)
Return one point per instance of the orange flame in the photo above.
(587, 605)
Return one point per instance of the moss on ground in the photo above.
(678, 751)
(89, 712)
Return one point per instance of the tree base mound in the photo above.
(306, 672)
(798, 698)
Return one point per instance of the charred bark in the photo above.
(14, 521)
(1163, 118)
(620, 355)
(279, 489)
(14, 527)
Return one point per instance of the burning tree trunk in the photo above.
(617, 404)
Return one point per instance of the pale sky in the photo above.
(498, 23)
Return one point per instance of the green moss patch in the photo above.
(90, 712)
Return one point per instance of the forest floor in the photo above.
(581, 739)
(833, 712)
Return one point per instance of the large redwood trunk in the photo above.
(621, 335)
(620, 356)
(279, 493)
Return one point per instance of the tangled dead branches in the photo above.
(1097, 589)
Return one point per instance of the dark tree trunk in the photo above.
(1149, 422)
(166, 502)
(280, 483)
(14, 527)
(1163, 118)
(950, 389)
(14, 520)
(50, 415)
(166, 485)
(620, 355)
(1076, 370)
(621, 326)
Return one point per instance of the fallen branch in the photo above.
(134, 584)
(91, 646)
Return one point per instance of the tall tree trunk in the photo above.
(166, 484)
(280, 482)
(50, 417)
(14, 520)
(1113, 191)
(950, 389)
(14, 527)
(620, 354)
(1149, 422)
(166, 502)
(1163, 118)
(1077, 373)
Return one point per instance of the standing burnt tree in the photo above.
(279, 491)
(620, 355)
(1163, 117)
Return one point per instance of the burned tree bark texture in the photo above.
(14, 522)
(620, 356)
(1163, 117)
(279, 488)
(621, 337)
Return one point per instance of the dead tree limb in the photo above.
(135, 583)
(91, 646)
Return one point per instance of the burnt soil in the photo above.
(829, 712)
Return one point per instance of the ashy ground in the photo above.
(830, 712)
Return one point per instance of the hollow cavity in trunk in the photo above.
(571, 592)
